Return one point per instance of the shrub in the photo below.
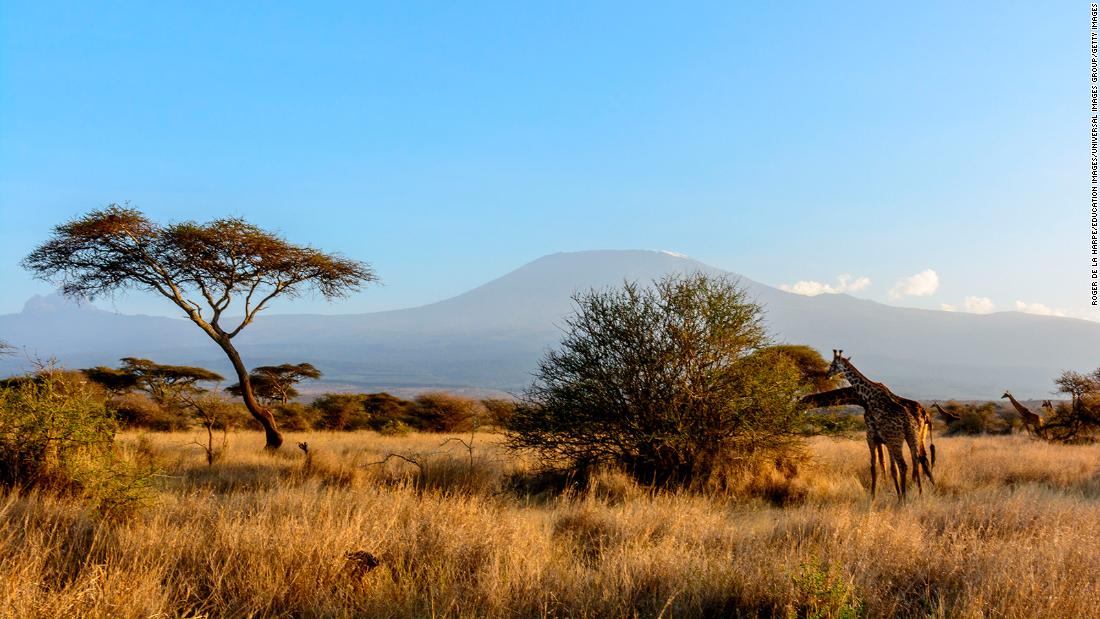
(977, 419)
(294, 417)
(138, 410)
(823, 593)
(443, 412)
(58, 434)
(675, 383)
(360, 411)
(498, 411)
(48, 428)
(385, 410)
(340, 411)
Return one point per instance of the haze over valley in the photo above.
(490, 338)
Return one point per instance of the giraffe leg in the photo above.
(874, 473)
(914, 456)
(894, 475)
(919, 457)
(898, 456)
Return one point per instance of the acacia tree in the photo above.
(275, 383)
(202, 268)
(168, 385)
(675, 382)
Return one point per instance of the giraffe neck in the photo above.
(864, 385)
(1019, 407)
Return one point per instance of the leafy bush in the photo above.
(976, 419)
(340, 411)
(58, 434)
(822, 593)
(676, 383)
(443, 412)
(294, 416)
(498, 411)
(385, 410)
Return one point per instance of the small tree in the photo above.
(674, 382)
(201, 268)
(117, 381)
(168, 385)
(275, 383)
(1081, 419)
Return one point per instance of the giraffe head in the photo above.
(1006, 395)
(1047, 404)
(837, 366)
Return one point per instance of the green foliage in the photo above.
(57, 434)
(676, 383)
(810, 364)
(822, 593)
(48, 428)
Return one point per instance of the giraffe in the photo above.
(1050, 408)
(850, 396)
(948, 416)
(890, 422)
(1032, 422)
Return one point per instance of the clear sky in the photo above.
(448, 143)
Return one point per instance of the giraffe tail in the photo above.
(931, 442)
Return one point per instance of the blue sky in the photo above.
(450, 144)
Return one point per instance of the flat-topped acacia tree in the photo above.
(202, 268)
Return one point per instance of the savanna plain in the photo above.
(458, 529)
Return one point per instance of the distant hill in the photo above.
(491, 337)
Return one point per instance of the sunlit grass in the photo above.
(1010, 530)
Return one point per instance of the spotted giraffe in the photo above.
(890, 422)
(1049, 408)
(850, 396)
(1032, 422)
(948, 416)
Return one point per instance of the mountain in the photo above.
(492, 336)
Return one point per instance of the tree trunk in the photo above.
(261, 414)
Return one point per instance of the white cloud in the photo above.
(971, 305)
(1038, 308)
(919, 285)
(978, 305)
(845, 283)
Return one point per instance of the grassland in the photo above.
(1011, 530)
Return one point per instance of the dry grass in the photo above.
(1010, 531)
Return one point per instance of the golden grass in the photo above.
(1010, 531)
